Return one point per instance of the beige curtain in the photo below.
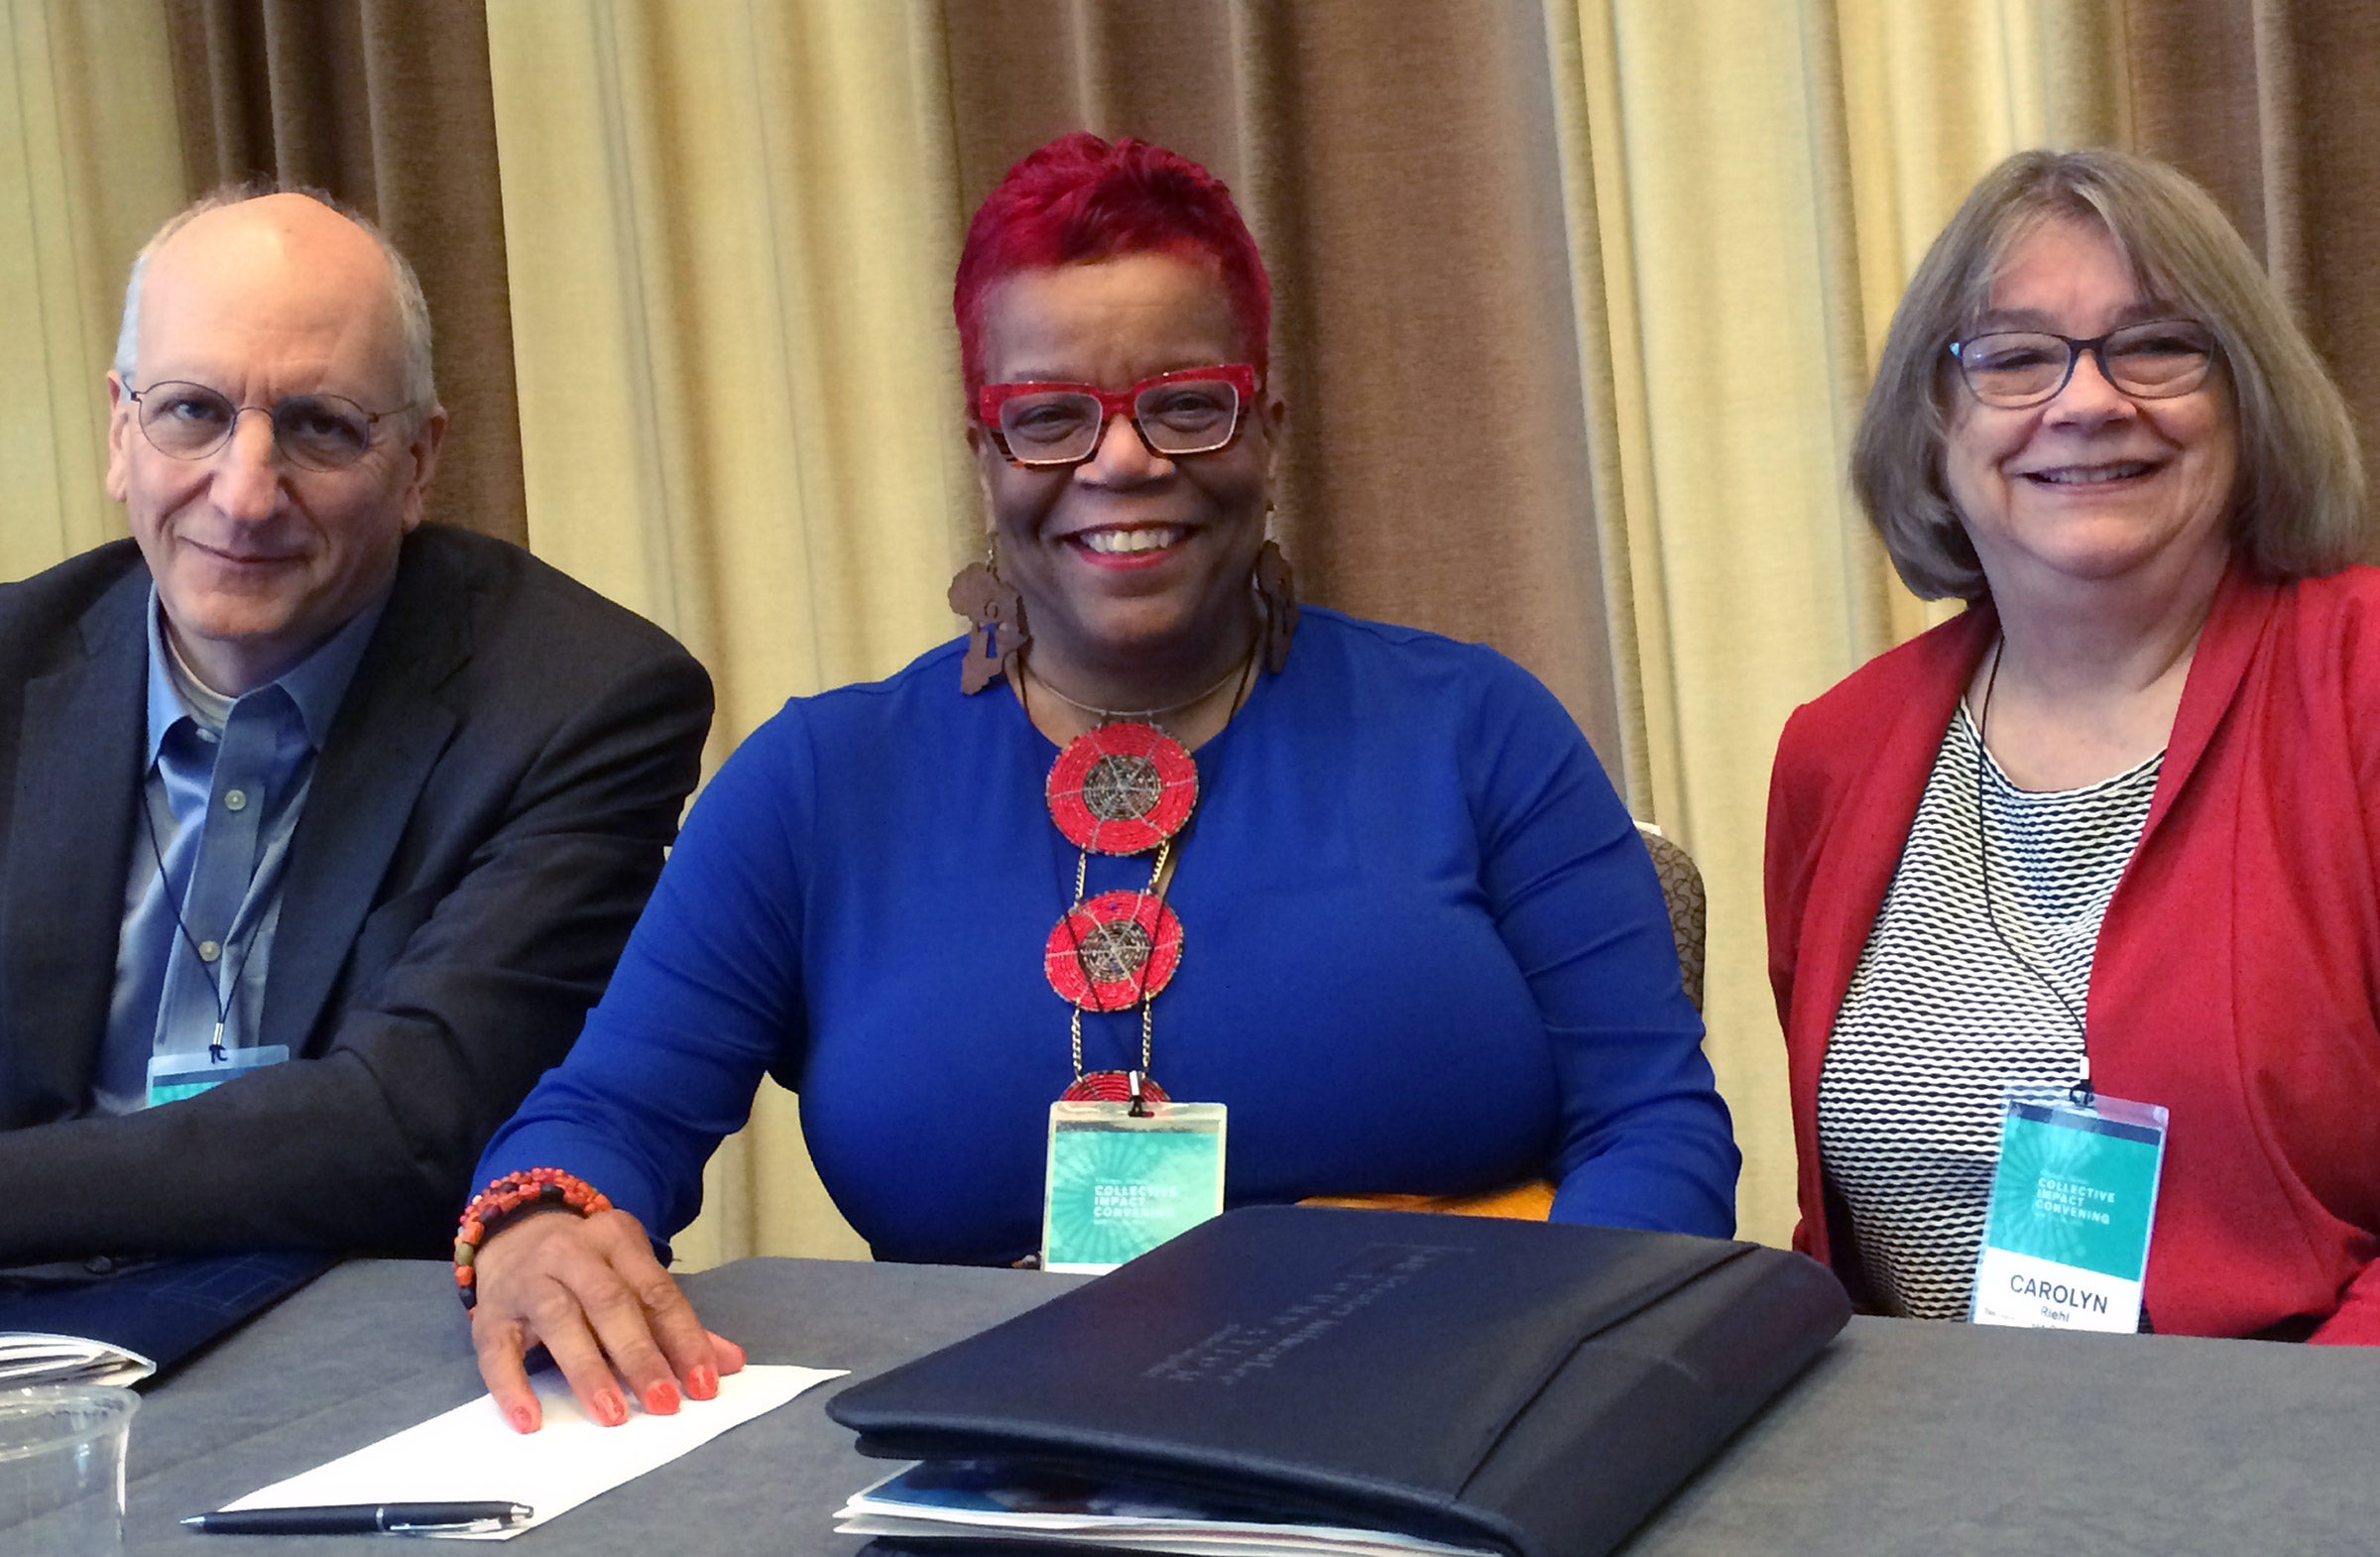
(1397, 164)
(730, 228)
(2271, 105)
(384, 104)
(1648, 248)
(1578, 301)
(89, 163)
(1746, 188)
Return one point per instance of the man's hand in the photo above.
(588, 1290)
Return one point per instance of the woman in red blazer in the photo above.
(2121, 818)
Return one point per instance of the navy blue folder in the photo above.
(1529, 1387)
(165, 1309)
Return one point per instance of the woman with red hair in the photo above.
(1149, 829)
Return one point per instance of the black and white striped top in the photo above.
(1941, 1018)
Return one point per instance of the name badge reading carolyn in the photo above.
(1120, 1185)
(2072, 1202)
(175, 1076)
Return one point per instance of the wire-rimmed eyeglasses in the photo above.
(1191, 411)
(2154, 360)
(186, 421)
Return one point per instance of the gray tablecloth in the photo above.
(1904, 1438)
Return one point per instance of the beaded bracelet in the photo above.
(504, 1202)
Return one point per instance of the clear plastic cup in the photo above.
(61, 1469)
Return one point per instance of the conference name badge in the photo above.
(172, 1077)
(1124, 1177)
(2073, 1203)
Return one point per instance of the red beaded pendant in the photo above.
(1121, 788)
(1112, 1086)
(1114, 951)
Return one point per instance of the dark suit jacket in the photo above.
(486, 819)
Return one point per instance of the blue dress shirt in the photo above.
(202, 894)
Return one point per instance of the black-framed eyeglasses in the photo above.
(2155, 360)
(186, 421)
(1191, 411)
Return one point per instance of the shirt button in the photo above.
(235, 799)
(208, 951)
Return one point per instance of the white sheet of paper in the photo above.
(470, 1454)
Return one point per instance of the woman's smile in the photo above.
(2096, 477)
(1139, 544)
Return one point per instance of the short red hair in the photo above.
(1081, 199)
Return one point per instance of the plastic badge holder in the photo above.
(2073, 1201)
(1120, 1182)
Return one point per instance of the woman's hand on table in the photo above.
(588, 1290)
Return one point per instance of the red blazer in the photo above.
(2238, 968)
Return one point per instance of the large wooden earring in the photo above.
(1276, 586)
(995, 613)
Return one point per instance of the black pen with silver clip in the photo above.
(367, 1519)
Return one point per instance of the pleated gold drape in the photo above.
(2271, 104)
(1578, 300)
(385, 105)
(731, 227)
(90, 161)
(690, 190)
(1577, 304)
(1397, 164)
(1748, 187)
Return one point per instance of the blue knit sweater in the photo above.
(1423, 951)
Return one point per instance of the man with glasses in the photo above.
(320, 828)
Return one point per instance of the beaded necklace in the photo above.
(1124, 787)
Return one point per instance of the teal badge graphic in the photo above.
(1121, 1185)
(172, 1077)
(2073, 1203)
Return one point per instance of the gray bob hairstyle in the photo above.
(2296, 505)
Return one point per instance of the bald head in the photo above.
(233, 235)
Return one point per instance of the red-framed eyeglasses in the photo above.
(1190, 411)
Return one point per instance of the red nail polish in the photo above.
(701, 1383)
(662, 1398)
(611, 1409)
(522, 1421)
